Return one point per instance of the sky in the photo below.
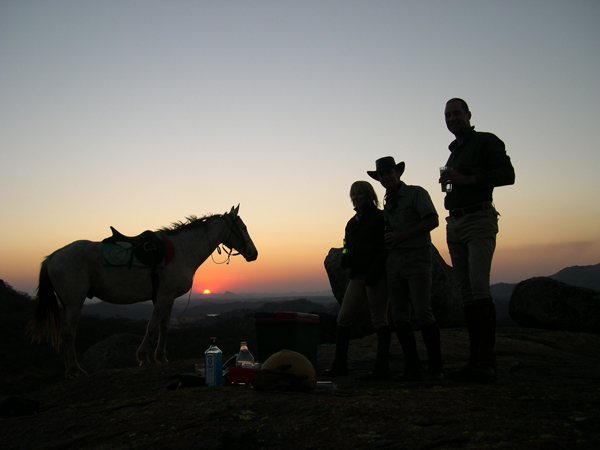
(137, 114)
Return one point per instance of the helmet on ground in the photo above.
(287, 371)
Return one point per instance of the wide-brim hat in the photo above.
(386, 163)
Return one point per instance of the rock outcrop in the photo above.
(445, 300)
(115, 351)
(542, 302)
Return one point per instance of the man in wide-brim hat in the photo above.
(411, 214)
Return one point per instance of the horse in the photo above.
(80, 270)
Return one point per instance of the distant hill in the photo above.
(581, 276)
(142, 311)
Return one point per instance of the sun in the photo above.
(206, 291)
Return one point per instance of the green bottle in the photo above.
(388, 226)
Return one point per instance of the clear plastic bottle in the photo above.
(244, 358)
(213, 364)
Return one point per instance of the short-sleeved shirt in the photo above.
(406, 207)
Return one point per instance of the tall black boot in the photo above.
(340, 362)
(431, 339)
(381, 369)
(473, 328)
(485, 371)
(412, 368)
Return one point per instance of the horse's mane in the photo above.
(191, 222)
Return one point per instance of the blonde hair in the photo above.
(366, 188)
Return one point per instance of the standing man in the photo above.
(411, 214)
(478, 162)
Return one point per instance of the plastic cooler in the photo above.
(294, 331)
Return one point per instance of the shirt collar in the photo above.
(392, 195)
(454, 144)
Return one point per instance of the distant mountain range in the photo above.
(233, 296)
(580, 276)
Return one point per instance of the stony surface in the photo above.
(546, 397)
(546, 303)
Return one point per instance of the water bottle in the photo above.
(244, 357)
(213, 364)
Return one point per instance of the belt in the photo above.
(459, 212)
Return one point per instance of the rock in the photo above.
(542, 302)
(445, 300)
(116, 351)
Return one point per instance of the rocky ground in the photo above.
(546, 397)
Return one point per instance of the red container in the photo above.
(241, 375)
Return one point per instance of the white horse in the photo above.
(78, 270)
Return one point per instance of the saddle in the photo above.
(147, 249)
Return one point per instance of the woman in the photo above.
(365, 257)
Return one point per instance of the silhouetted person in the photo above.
(365, 257)
(411, 215)
(479, 163)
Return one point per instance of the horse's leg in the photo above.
(161, 349)
(72, 315)
(161, 307)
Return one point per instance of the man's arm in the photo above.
(496, 171)
(427, 224)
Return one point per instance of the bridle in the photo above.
(229, 251)
(226, 248)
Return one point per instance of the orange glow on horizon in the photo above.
(206, 291)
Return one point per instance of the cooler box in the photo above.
(294, 331)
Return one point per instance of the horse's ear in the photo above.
(235, 210)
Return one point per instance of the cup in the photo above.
(446, 187)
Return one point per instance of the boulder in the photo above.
(445, 300)
(542, 302)
(116, 351)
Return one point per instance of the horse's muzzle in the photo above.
(251, 256)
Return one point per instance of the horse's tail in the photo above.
(46, 320)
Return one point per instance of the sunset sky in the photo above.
(138, 113)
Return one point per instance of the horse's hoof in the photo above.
(161, 359)
(145, 362)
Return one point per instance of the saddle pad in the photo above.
(170, 249)
(121, 254)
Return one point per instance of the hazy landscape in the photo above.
(548, 380)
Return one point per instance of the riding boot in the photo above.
(412, 363)
(340, 362)
(431, 339)
(485, 371)
(381, 369)
(473, 328)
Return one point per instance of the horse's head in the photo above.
(238, 237)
